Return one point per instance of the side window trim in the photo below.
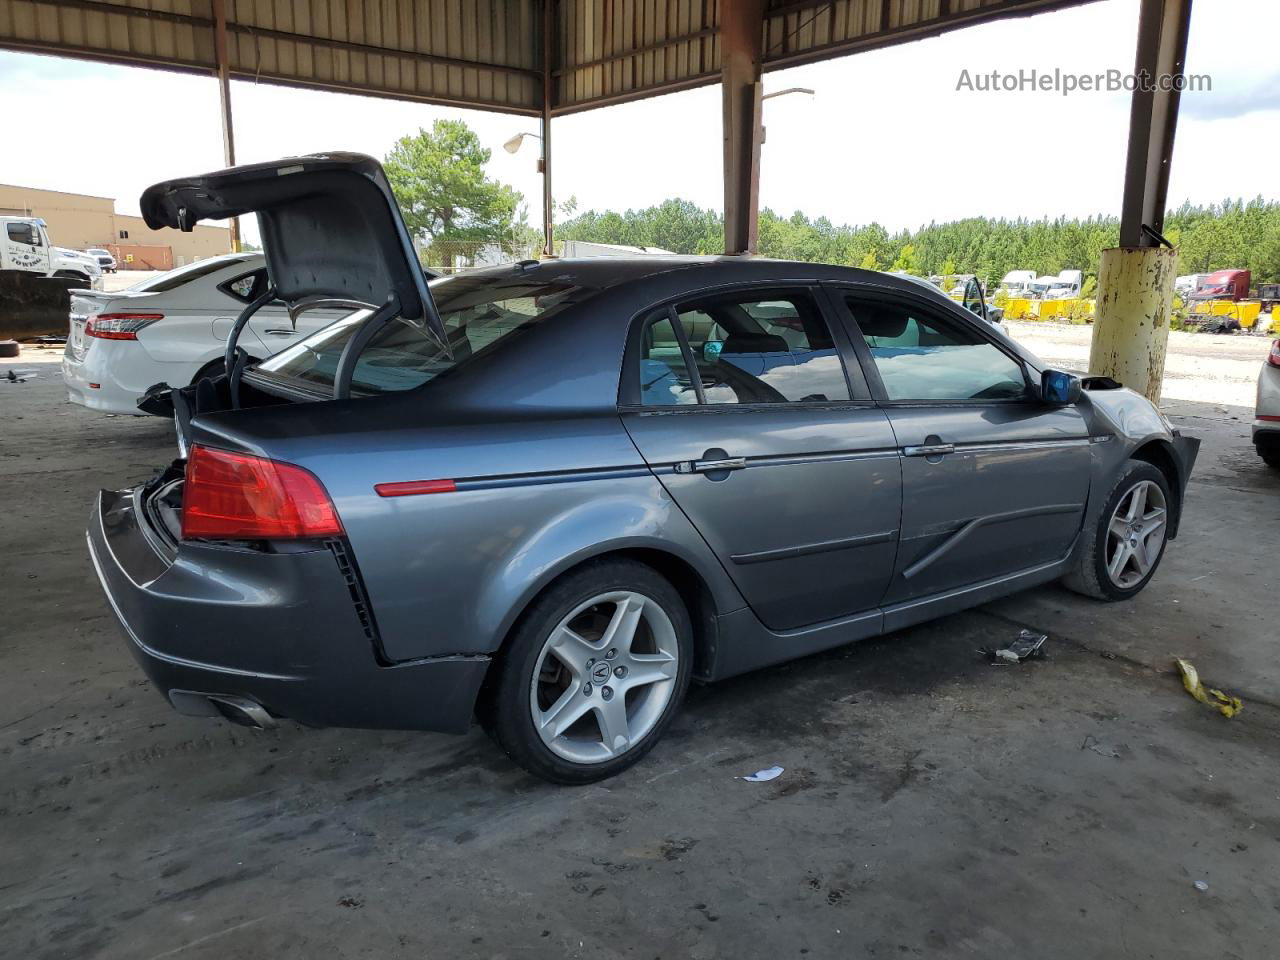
(686, 351)
(843, 293)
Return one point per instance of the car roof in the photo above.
(604, 273)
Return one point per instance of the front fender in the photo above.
(1125, 424)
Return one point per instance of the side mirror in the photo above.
(711, 350)
(1059, 389)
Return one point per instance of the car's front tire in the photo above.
(1121, 551)
(593, 673)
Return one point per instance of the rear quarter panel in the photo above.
(537, 494)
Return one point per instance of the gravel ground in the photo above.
(1200, 367)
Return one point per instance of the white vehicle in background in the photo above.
(1266, 414)
(172, 329)
(105, 260)
(25, 247)
(1017, 283)
(1066, 285)
(1187, 284)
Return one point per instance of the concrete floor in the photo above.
(932, 805)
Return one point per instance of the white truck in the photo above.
(25, 247)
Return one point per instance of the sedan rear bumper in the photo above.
(214, 625)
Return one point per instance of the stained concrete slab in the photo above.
(932, 804)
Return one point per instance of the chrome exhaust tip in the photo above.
(247, 713)
(239, 710)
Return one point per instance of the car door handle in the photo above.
(281, 332)
(929, 450)
(711, 466)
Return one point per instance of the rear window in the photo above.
(192, 271)
(480, 313)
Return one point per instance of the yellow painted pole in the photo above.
(1135, 302)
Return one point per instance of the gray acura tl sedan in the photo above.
(552, 494)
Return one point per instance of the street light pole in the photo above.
(511, 146)
(781, 93)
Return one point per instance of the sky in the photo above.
(887, 137)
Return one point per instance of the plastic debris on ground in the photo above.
(1101, 749)
(1027, 645)
(1202, 886)
(762, 776)
(1224, 703)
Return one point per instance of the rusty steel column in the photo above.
(741, 41)
(544, 163)
(1131, 332)
(1135, 280)
(224, 96)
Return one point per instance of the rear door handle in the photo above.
(710, 466)
(929, 450)
(281, 333)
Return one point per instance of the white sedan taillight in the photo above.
(1273, 357)
(119, 326)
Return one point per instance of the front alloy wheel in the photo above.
(1136, 533)
(1119, 552)
(592, 674)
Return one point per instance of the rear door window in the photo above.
(743, 348)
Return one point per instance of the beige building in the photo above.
(79, 221)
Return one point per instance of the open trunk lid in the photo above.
(330, 229)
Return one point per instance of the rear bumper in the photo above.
(279, 630)
(1266, 433)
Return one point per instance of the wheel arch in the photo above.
(1160, 454)
(681, 571)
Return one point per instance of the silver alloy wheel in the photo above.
(1136, 533)
(604, 677)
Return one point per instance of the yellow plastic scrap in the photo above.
(1228, 706)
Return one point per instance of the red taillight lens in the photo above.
(234, 496)
(119, 326)
(1273, 357)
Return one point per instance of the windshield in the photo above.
(478, 312)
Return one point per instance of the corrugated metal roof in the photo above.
(475, 53)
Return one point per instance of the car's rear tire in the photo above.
(1123, 547)
(1270, 455)
(592, 674)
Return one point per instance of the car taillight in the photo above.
(235, 496)
(119, 326)
(1273, 357)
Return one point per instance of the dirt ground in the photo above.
(932, 805)
(1201, 367)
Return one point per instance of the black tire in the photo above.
(1090, 576)
(9, 348)
(505, 708)
(213, 368)
(1270, 456)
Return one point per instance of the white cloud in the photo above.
(887, 138)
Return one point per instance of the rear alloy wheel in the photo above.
(1121, 553)
(593, 674)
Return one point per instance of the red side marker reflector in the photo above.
(414, 488)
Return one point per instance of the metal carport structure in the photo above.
(547, 58)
